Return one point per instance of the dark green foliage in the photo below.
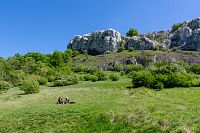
(195, 68)
(42, 81)
(89, 77)
(132, 32)
(80, 68)
(167, 69)
(30, 86)
(174, 49)
(142, 79)
(176, 26)
(56, 58)
(114, 77)
(102, 76)
(116, 67)
(4, 86)
(131, 49)
(158, 81)
(133, 68)
(122, 47)
(65, 81)
(92, 70)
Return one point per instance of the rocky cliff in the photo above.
(185, 37)
(98, 42)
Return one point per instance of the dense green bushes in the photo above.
(30, 86)
(4, 86)
(159, 81)
(65, 81)
(114, 77)
(133, 68)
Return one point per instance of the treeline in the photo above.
(30, 71)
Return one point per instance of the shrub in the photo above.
(42, 81)
(51, 78)
(142, 79)
(132, 32)
(121, 48)
(102, 76)
(30, 86)
(176, 26)
(114, 77)
(157, 85)
(133, 68)
(131, 49)
(117, 67)
(174, 49)
(65, 81)
(4, 86)
(80, 68)
(166, 68)
(93, 70)
(92, 78)
(195, 68)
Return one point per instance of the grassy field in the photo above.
(101, 107)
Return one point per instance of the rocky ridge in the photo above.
(185, 37)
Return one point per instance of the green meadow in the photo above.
(102, 106)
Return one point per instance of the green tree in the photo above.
(132, 32)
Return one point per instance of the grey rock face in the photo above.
(97, 42)
(187, 37)
(141, 43)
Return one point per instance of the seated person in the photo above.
(66, 100)
(60, 101)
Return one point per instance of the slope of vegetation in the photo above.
(118, 97)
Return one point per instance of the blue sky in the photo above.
(48, 25)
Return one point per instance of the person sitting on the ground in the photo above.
(60, 101)
(66, 100)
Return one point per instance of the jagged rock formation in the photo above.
(97, 42)
(187, 37)
(141, 43)
(162, 37)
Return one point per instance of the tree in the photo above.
(132, 32)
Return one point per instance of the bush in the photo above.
(142, 79)
(30, 86)
(117, 67)
(93, 70)
(42, 81)
(4, 86)
(176, 26)
(132, 32)
(133, 68)
(80, 68)
(65, 81)
(121, 48)
(131, 49)
(92, 78)
(114, 77)
(159, 81)
(102, 76)
(195, 68)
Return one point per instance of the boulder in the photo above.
(99, 42)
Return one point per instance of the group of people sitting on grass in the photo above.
(66, 101)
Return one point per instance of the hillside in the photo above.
(105, 82)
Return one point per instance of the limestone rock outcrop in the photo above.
(187, 37)
(98, 42)
(141, 43)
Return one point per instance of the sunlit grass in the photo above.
(103, 106)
